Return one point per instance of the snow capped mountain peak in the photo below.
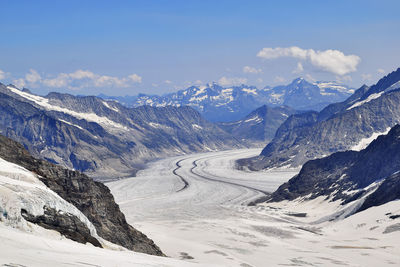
(219, 103)
(298, 80)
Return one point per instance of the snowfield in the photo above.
(195, 208)
(26, 244)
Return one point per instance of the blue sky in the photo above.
(127, 47)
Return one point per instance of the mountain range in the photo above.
(368, 178)
(224, 104)
(348, 125)
(104, 138)
(259, 126)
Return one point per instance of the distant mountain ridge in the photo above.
(104, 138)
(222, 104)
(259, 127)
(346, 125)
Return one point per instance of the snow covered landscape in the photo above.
(207, 221)
(199, 133)
(195, 208)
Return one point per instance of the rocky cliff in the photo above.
(372, 173)
(92, 198)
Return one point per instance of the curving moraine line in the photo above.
(185, 182)
(224, 182)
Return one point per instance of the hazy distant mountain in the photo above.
(104, 138)
(342, 126)
(223, 104)
(372, 173)
(259, 126)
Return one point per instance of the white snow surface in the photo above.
(18, 248)
(26, 244)
(110, 107)
(196, 126)
(255, 118)
(198, 98)
(366, 141)
(210, 221)
(67, 122)
(250, 91)
(368, 99)
(21, 189)
(207, 220)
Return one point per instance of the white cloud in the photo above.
(135, 78)
(333, 61)
(279, 79)
(227, 81)
(366, 77)
(310, 78)
(248, 69)
(344, 79)
(20, 83)
(198, 82)
(259, 80)
(105, 80)
(380, 71)
(299, 68)
(33, 76)
(77, 80)
(2, 75)
(167, 82)
(60, 81)
(82, 74)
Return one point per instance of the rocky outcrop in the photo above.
(92, 198)
(389, 190)
(66, 224)
(350, 175)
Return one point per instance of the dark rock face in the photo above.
(104, 139)
(389, 190)
(92, 198)
(225, 104)
(66, 224)
(260, 125)
(338, 127)
(351, 171)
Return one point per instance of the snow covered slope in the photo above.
(22, 193)
(72, 190)
(207, 219)
(28, 244)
